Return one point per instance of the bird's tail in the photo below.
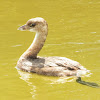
(86, 73)
(91, 84)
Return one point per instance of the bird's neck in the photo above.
(36, 45)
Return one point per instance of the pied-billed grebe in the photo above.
(51, 66)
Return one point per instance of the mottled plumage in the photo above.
(51, 66)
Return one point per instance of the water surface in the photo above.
(74, 32)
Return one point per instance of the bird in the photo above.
(50, 66)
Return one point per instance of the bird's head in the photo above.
(34, 25)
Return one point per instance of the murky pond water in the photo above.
(74, 32)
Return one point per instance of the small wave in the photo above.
(16, 45)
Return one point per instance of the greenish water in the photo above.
(74, 32)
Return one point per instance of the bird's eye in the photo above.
(32, 25)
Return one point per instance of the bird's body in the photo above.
(51, 66)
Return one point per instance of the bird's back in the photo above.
(51, 66)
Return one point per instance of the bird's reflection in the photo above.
(39, 82)
(26, 77)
